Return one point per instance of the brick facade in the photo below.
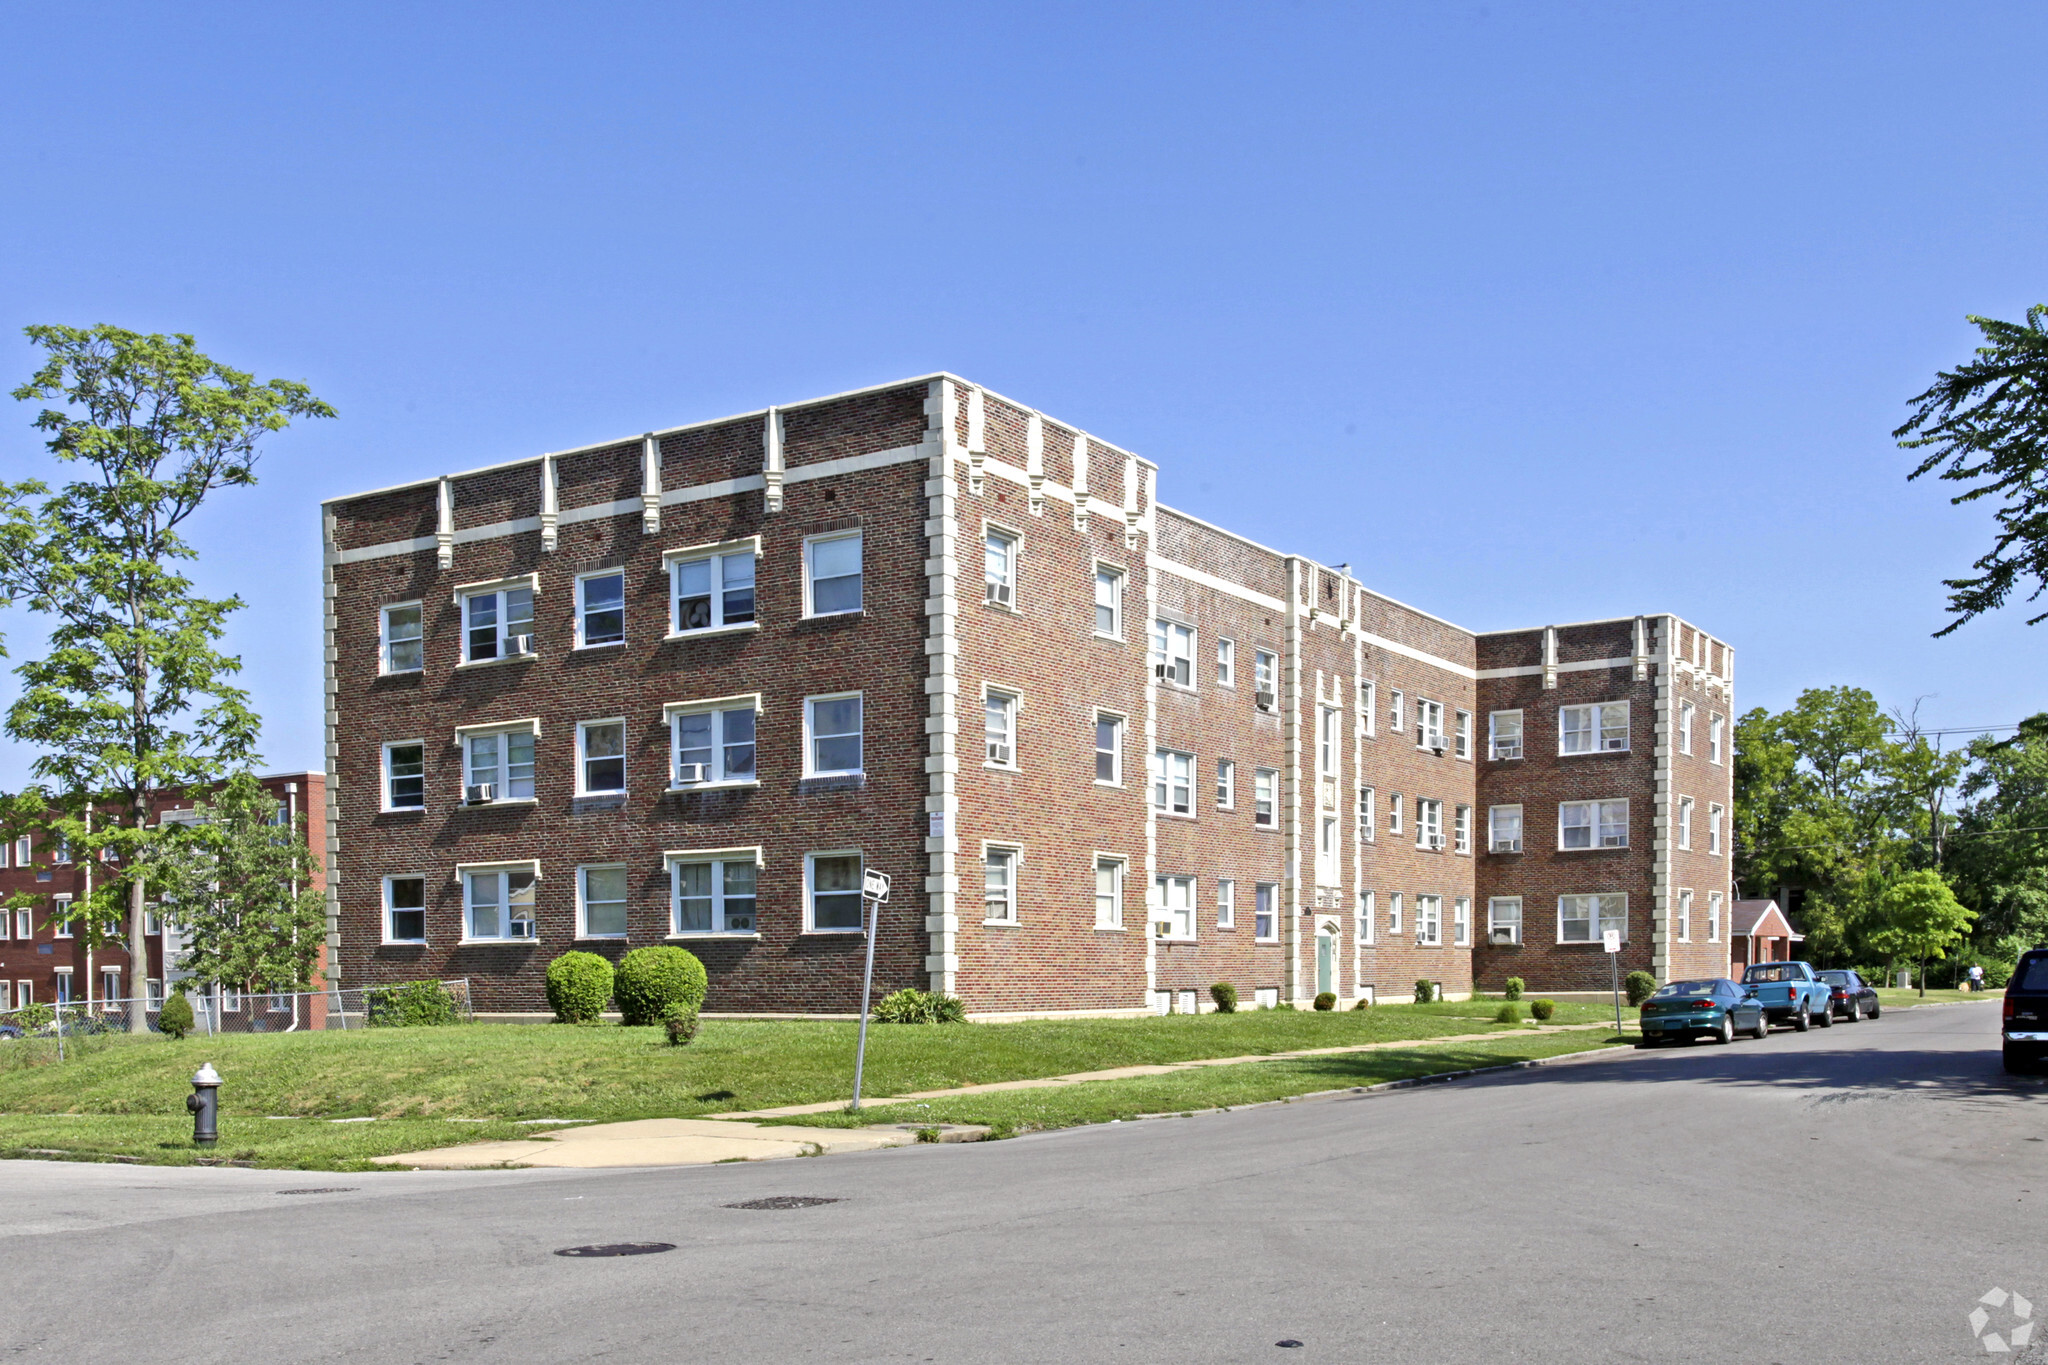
(978, 744)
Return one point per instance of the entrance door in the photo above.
(1326, 962)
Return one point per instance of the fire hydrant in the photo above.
(204, 1102)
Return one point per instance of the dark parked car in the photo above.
(1853, 999)
(1715, 1008)
(2025, 1028)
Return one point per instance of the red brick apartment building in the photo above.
(48, 962)
(684, 687)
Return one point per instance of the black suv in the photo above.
(2026, 1012)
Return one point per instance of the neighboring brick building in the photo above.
(684, 687)
(48, 962)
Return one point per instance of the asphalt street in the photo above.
(1843, 1195)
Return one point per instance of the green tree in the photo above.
(1999, 857)
(237, 881)
(133, 697)
(1984, 424)
(1918, 917)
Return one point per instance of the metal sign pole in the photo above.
(1614, 971)
(874, 890)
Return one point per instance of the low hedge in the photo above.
(579, 987)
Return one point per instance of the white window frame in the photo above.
(465, 735)
(1714, 907)
(1011, 859)
(1394, 914)
(1165, 782)
(1226, 784)
(1497, 741)
(1598, 916)
(1394, 803)
(1429, 920)
(1714, 814)
(1226, 903)
(1366, 930)
(468, 592)
(811, 892)
(1008, 704)
(811, 544)
(1686, 711)
(1109, 583)
(583, 580)
(1717, 735)
(1600, 819)
(713, 557)
(1685, 809)
(1266, 672)
(384, 767)
(1429, 823)
(385, 640)
(1461, 736)
(1115, 752)
(1504, 912)
(504, 871)
(1368, 814)
(1329, 857)
(1682, 929)
(1599, 721)
(674, 860)
(1329, 740)
(390, 935)
(1461, 921)
(1496, 816)
(1226, 661)
(1461, 830)
(583, 929)
(1269, 893)
(1109, 910)
(1268, 781)
(60, 926)
(1368, 707)
(1001, 591)
(583, 758)
(1397, 712)
(716, 707)
(1173, 644)
(1429, 724)
(1168, 888)
(811, 768)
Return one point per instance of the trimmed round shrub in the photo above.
(1540, 1010)
(579, 987)
(913, 1006)
(1514, 988)
(1425, 991)
(649, 980)
(1507, 1014)
(175, 1018)
(679, 1021)
(1327, 1000)
(1364, 1003)
(1225, 996)
(1639, 986)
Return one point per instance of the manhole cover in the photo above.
(325, 1189)
(618, 1249)
(784, 1201)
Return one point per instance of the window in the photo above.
(999, 885)
(1461, 922)
(1599, 728)
(1265, 797)
(601, 756)
(22, 855)
(1713, 917)
(1173, 782)
(497, 623)
(1226, 904)
(1394, 813)
(1683, 928)
(1226, 784)
(832, 577)
(716, 895)
(715, 743)
(1429, 921)
(1366, 911)
(1582, 919)
(1394, 914)
(1429, 724)
(60, 848)
(401, 649)
(153, 993)
(1176, 907)
(110, 985)
(1461, 829)
(1685, 822)
(1592, 824)
(1109, 602)
(1226, 663)
(498, 903)
(1461, 740)
(601, 896)
(1504, 919)
(1368, 707)
(1329, 741)
(1397, 712)
(405, 909)
(498, 765)
(1685, 714)
(1714, 830)
(713, 591)
(25, 994)
(1266, 673)
(1429, 823)
(999, 556)
(1173, 653)
(64, 986)
(1109, 749)
(832, 728)
(60, 917)
(1504, 829)
(1326, 850)
(833, 880)
(405, 776)
(1368, 819)
(1717, 729)
(24, 925)
(1109, 893)
(601, 609)
(1265, 899)
(1001, 726)
(6, 925)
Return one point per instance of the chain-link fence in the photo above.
(63, 1022)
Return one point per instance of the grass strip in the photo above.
(279, 1143)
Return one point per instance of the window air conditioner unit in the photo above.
(1000, 594)
(1506, 846)
(1436, 841)
(1501, 937)
(480, 794)
(1162, 671)
(522, 928)
(1162, 928)
(1265, 701)
(999, 753)
(688, 774)
(1436, 742)
(1510, 749)
(518, 644)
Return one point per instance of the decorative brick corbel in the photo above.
(977, 441)
(650, 485)
(1642, 649)
(1080, 483)
(444, 525)
(771, 461)
(1132, 516)
(1549, 658)
(1034, 462)
(550, 509)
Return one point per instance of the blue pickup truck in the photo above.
(1791, 993)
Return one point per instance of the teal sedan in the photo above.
(1714, 1008)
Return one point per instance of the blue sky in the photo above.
(1530, 312)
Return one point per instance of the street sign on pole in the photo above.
(1610, 939)
(874, 890)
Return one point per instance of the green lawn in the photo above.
(1897, 1000)
(292, 1144)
